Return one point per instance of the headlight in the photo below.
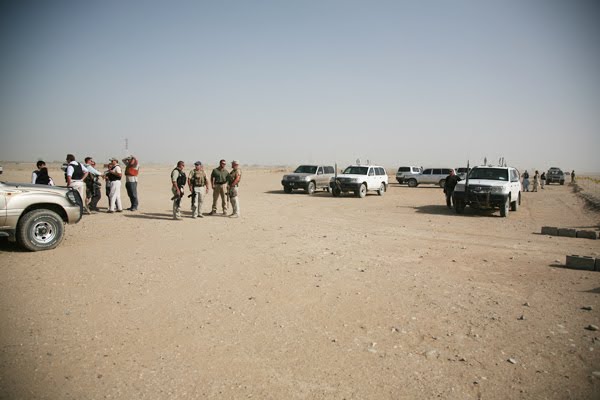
(74, 197)
(307, 178)
(499, 189)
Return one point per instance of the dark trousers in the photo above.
(132, 193)
(96, 195)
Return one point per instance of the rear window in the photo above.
(404, 169)
(437, 171)
(446, 171)
(329, 170)
(427, 171)
(380, 171)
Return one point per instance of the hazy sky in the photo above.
(429, 83)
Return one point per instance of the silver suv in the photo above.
(432, 176)
(406, 172)
(34, 215)
(309, 178)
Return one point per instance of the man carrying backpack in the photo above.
(178, 181)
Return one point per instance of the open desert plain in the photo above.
(303, 297)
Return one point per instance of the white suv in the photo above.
(406, 172)
(433, 176)
(489, 187)
(360, 179)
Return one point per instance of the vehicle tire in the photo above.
(442, 183)
(336, 192)
(40, 230)
(504, 209)
(514, 206)
(562, 182)
(459, 206)
(412, 183)
(399, 181)
(381, 190)
(310, 189)
(328, 189)
(547, 182)
(287, 189)
(362, 191)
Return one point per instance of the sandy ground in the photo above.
(304, 297)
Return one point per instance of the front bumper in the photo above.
(295, 184)
(345, 186)
(481, 199)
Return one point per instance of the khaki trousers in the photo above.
(219, 190)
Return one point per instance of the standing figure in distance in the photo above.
(449, 185)
(198, 184)
(543, 179)
(234, 180)
(114, 176)
(40, 175)
(93, 185)
(526, 181)
(536, 181)
(132, 169)
(218, 180)
(178, 180)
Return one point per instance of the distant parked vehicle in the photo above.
(431, 176)
(555, 175)
(309, 178)
(406, 172)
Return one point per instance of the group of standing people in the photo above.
(224, 184)
(86, 180)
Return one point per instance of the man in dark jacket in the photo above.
(449, 185)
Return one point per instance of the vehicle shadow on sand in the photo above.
(440, 209)
(10, 247)
(319, 194)
(152, 215)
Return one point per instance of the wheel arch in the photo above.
(46, 206)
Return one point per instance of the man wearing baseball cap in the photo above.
(199, 185)
(234, 180)
(113, 177)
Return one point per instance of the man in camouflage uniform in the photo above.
(234, 180)
(198, 184)
(218, 180)
(178, 180)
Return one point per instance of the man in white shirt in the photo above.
(75, 175)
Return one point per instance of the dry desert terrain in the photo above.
(303, 297)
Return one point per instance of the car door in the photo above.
(319, 180)
(371, 177)
(2, 207)
(426, 176)
(515, 184)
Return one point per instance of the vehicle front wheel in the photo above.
(336, 192)
(562, 182)
(505, 207)
(381, 189)
(40, 230)
(514, 206)
(310, 189)
(412, 183)
(287, 189)
(362, 191)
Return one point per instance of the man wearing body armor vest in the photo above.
(114, 176)
(178, 181)
(198, 184)
(74, 176)
(132, 169)
(234, 180)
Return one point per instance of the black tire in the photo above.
(459, 206)
(336, 192)
(381, 190)
(412, 183)
(504, 209)
(40, 230)
(514, 206)
(399, 181)
(442, 183)
(310, 189)
(362, 191)
(562, 182)
(287, 189)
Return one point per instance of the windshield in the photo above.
(495, 174)
(306, 169)
(356, 170)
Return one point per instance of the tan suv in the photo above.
(34, 215)
(309, 178)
